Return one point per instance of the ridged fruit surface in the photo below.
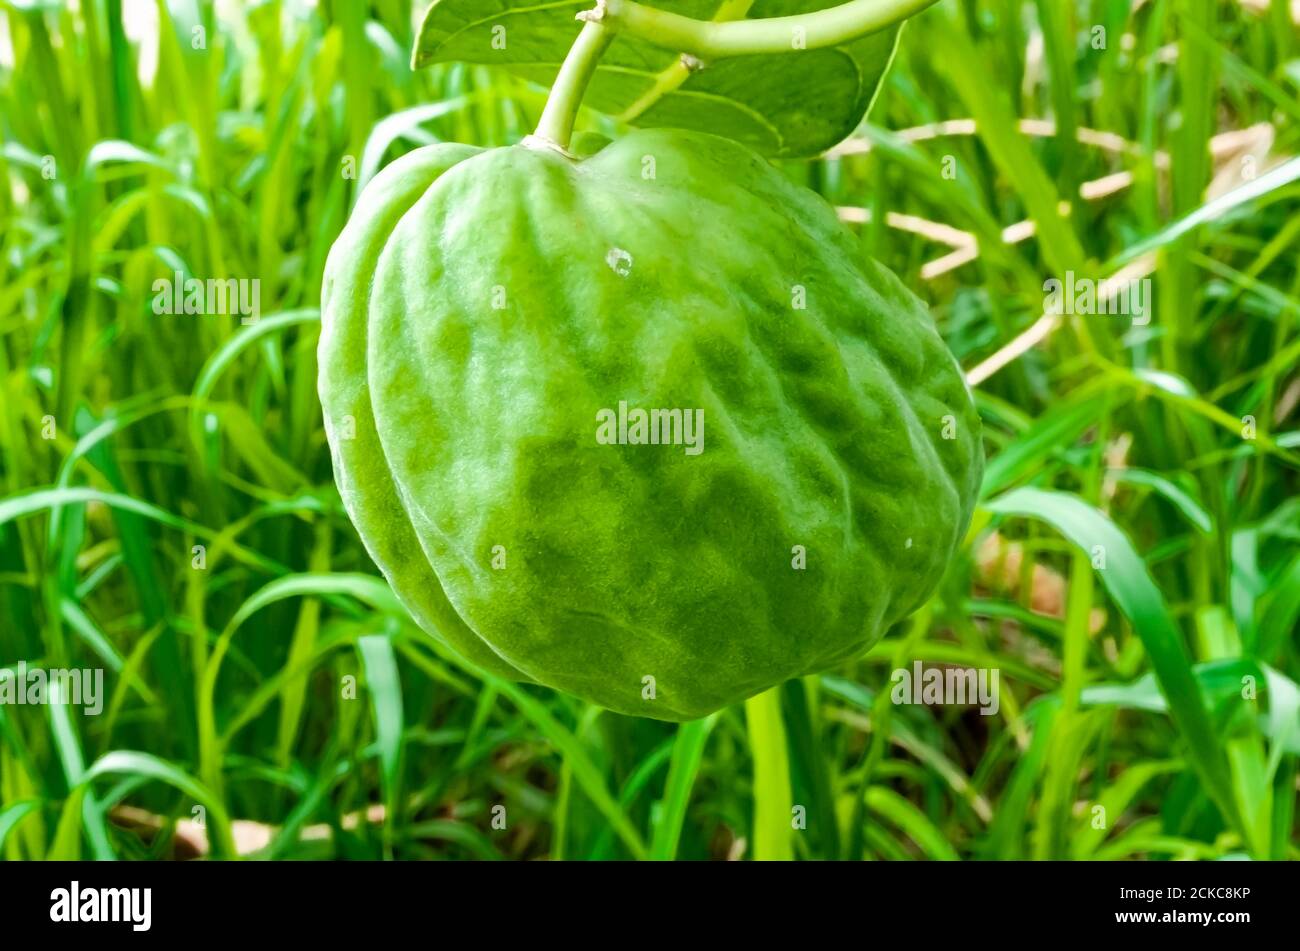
(485, 312)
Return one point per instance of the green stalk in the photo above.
(556, 125)
(711, 40)
(882, 713)
(772, 797)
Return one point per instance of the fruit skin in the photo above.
(481, 308)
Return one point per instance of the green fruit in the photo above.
(491, 318)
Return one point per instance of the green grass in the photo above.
(280, 684)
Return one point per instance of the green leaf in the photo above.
(688, 750)
(403, 125)
(899, 812)
(1006, 838)
(1272, 180)
(810, 769)
(1058, 427)
(1115, 799)
(13, 814)
(65, 740)
(1182, 500)
(1281, 609)
(995, 117)
(794, 104)
(95, 639)
(385, 690)
(146, 765)
(221, 360)
(365, 588)
(585, 772)
(1129, 584)
(1220, 680)
(772, 794)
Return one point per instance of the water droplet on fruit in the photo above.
(620, 262)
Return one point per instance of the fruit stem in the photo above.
(710, 40)
(555, 128)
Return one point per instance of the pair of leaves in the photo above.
(783, 105)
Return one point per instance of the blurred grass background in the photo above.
(276, 702)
